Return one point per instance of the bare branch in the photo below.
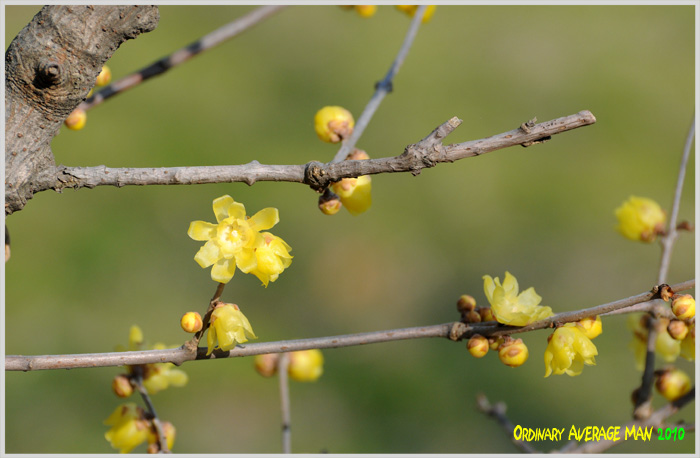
(669, 239)
(382, 88)
(283, 365)
(426, 153)
(162, 441)
(182, 55)
(498, 411)
(452, 331)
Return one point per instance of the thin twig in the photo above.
(669, 239)
(138, 381)
(382, 88)
(282, 366)
(192, 345)
(642, 405)
(656, 420)
(427, 153)
(180, 56)
(452, 331)
(498, 411)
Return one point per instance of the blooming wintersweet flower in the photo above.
(229, 327)
(272, 257)
(128, 428)
(568, 350)
(640, 219)
(232, 241)
(159, 376)
(509, 307)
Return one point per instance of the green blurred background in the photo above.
(88, 264)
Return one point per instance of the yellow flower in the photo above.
(128, 428)
(333, 124)
(568, 350)
(232, 241)
(366, 10)
(355, 193)
(509, 307)
(640, 219)
(683, 306)
(305, 365)
(271, 258)
(411, 11)
(159, 376)
(673, 383)
(688, 344)
(76, 120)
(104, 77)
(228, 327)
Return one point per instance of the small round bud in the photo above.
(329, 203)
(266, 365)
(471, 316)
(683, 306)
(191, 322)
(673, 383)
(333, 124)
(76, 120)
(486, 314)
(122, 387)
(677, 329)
(466, 303)
(640, 219)
(357, 155)
(478, 346)
(591, 326)
(104, 77)
(305, 365)
(366, 10)
(495, 342)
(513, 352)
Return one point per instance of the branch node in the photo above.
(316, 176)
(457, 331)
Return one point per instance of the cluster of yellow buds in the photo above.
(334, 124)
(78, 117)
(130, 427)
(640, 219)
(236, 241)
(470, 313)
(304, 365)
(156, 376)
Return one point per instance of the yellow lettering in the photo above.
(646, 433)
(616, 433)
(517, 432)
(629, 432)
(588, 433)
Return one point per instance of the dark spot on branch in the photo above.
(316, 176)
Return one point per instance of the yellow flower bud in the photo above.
(478, 346)
(229, 327)
(471, 316)
(673, 383)
(640, 219)
(135, 338)
(191, 322)
(683, 306)
(128, 428)
(121, 385)
(104, 77)
(329, 203)
(76, 120)
(591, 326)
(466, 303)
(333, 124)
(169, 433)
(677, 329)
(411, 11)
(513, 352)
(366, 10)
(486, 314)
(266, 365)
(495, 342)
(355, 193)
(305, 365)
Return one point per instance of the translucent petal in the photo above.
(246, 260)
(529, 297)
(264, 219)
(510, 284)
(201, 231)
(221, 207)
(211, 340)
(223, 270)
(236, 210)
(489, 286)
(208, 254)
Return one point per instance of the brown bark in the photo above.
(49, 69)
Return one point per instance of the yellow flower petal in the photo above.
(489, 286)
(510, 284)
(201, 231)
(221, 207)
(208, 254)
(223, 270)
(264, 219)
(529, 297)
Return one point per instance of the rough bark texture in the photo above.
(49, 69)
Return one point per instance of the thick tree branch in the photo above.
(452, 331)
(180, 56)
(427, 153)
(49, 68)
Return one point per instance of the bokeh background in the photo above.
(88, 264)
